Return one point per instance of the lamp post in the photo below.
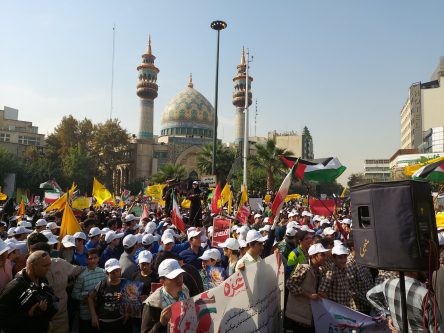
(218, 26)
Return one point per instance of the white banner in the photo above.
(256, 204)
(329, 316)
(249, 301)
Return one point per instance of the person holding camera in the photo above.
(27, 303)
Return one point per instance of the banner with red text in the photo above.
(248, 301)
(221, 231)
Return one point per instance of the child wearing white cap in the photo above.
(231, 251)
(157, 309)
(209, 258)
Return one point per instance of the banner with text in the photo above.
(329, 316)
(248, 301)
(221, 231)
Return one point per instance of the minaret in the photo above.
(239, 99)
(147, 92)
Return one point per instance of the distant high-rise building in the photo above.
(376, 170)
(423, 110)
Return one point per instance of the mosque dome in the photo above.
(188, 114)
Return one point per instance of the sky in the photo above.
(342, 68)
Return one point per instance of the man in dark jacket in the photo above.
(26, 304)
(194, 195)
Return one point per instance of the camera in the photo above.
(37, 293)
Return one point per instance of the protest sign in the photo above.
(329, 316)
(221, 231)
(130, 303)
(215, 275)
(248, 301)
(209, 179)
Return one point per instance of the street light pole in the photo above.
(218, 26)
(246, 124)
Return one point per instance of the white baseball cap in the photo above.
(80, 235)
(210, 231)
(22, 230)
(112, 235)
(242, 243)
(328, 231)
(3, 247)
(139, 238)
(316, 248)
(52, 226)
(230, 243)
(255, 236)
(94, 232)
(145, 256)
(306, 213)
(440, 239)
(129, 218)
(316, 218)
(169, 268)
(150, 227)
(337, 242)
(111, 265)
(307, 228)
(147, 239)
(265, 228)
(129, 241)
(193, 233)
(11, 232)
(41, 223)
(26, 224)
(12, 245)
(325, 221)
(256, 216)
(340, 250)
(211, 254)
(293, 225)
(52, 239)
(292, 213)
(166, 238)
(68, 241)
(346, 221)
(290, 232)
(104, 231)
(171, 233)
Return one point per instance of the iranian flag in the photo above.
(51, 197)
(282, 193)
(326, 170)
(176, 217)
(432, 172)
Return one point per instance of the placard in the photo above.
(221, 231)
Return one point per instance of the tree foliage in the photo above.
(224, 160)
(355, 179)
(169, 171)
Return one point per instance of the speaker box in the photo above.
(394, 226)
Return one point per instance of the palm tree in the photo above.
(267, 157)
(169, 171)
(224, 160)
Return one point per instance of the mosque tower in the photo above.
(147, 92)
(239, 99)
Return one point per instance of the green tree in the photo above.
(355, 179)
(224, 160)
(75, 163)
(169, 171)
(267, 158)
(8, 164)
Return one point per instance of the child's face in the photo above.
(93, 260)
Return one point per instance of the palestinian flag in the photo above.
(282, 193)
(176, 217)
(432, 172)
(326, 170)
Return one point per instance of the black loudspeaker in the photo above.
(394, 226)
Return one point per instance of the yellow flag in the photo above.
(186, 203)
(3, 196)
(21, 210)
(343, 192)
(230, 203)
(225, 194)
(411, 169)
(100, 192)
(59, 204)
(267, 198)
(155, 191)
(244, 196)
(121, 203)
(292, 197)
(69, 223)
(440, 220)
(81, 203)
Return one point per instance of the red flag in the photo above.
(278, 201)
(242, 214)
(322, 207)
(216, 197)
(176, 217)
(144, 213)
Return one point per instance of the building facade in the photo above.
(423, 110)
(16, 135)
(377, 170)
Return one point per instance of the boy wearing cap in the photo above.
(112, 250)
(231, 251)
(86, 282)
(336, 284)
(157, 308)
(126, 261)
(94, 238)
(255, 243)
(80, 250)
(303, 285)
(104, 301)
(191, 255)
(209, 258)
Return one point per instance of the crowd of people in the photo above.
(75, 284)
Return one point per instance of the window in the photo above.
(4, 137)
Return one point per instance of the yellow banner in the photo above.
(155, 191)
(81, 203)
(267, 198)
(186, 203)
(292, 197)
